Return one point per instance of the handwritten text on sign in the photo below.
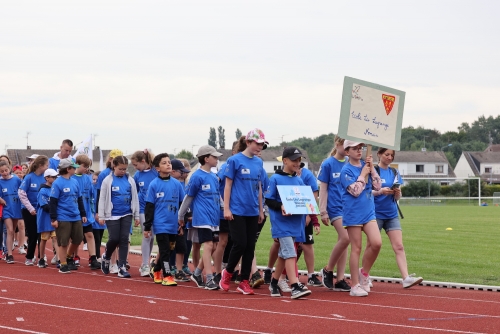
(298, 200)
(373, 114)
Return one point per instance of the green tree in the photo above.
(212, 138)
(421, 189)
(238, 134)
(184, 154)
(222, 137)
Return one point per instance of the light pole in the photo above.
(442, 148)
(424, 149)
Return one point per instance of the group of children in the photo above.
(220, 210)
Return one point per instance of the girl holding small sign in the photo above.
(359, 214)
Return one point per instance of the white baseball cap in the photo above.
(350, 143)
(50, 172)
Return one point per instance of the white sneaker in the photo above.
(144, 270)
(16, 243)
(29, 262)
(411, 280)
(85, 247)
(371, 283)
(284, 286)
(358, 291)
(45, 258)
(364, 281)
(54, 260)
(113, 269)
(21, 250)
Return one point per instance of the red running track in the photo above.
(42, 300)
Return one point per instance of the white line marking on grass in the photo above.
(20, 319)
(266, 311)
(131, 316)
(21, 330)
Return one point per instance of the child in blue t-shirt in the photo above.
(202, 195)
(44, 226)
(243, 206)
(67, 213)
(9, 199)
(85, 183)
(386, 211)
(359, 214)
(330, 207)
(143, 163)
(163, 199)
(286, 227)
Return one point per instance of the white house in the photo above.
(479, 164)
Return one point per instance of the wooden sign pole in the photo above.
(368, 153)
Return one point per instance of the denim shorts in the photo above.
(389, 224)
(287, 248)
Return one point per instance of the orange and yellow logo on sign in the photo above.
(388, 102)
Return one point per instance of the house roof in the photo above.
(417, 156)
(18, 156)
(493, 148)
(485, 157)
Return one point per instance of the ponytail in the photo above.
(144, 155)
(242, 144)
(336, 141)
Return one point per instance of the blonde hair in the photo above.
(185, 162)
(38, 162)
(145, 155)
(194, 169)
(82, 159)
(336, 141)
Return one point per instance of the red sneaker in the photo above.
(225, 280)
(245, 288)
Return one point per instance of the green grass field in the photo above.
(465, 255)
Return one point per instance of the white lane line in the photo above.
(338, 316)
(183, 317)
(438, 297)
(20, 319)
(130, 316)
(151, 302)
(21, 330)
(266, 311)
(4, 290)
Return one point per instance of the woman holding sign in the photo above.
(358, 178)
(386, 212)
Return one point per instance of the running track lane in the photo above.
(46, 300)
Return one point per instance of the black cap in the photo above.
(292, 153)
(178, 165)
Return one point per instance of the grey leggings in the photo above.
(118, 231)
(147, 243)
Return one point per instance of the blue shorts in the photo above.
(389, 224)
(287, 248)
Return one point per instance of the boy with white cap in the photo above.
(44, 226)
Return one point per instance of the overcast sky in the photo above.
(160, 74)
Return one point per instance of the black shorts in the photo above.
(180, 244)
(87, 229)
(224, 226)
(202, 235)
(309, 231)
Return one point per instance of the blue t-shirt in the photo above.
(42, 217)
(121, 196)
(166, 195)
(67, 192)
(31, 184)
(356, 210)
(142, 181)
(101, 177)
(385, 205)
(246, 174)
(329, 173)
(54, 163)
(309, 179)
(85, 183)
(204, 188)
(8, 191)
(222, 186)
(284, 226)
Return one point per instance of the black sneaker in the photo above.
(314, 281)
(300, 292)
(268, 274)
(151, 271)
(94, 265)
(237, 280)
(236, 273)
(327, 278)
(217, 278)
(198, 279)
(10, 259)
(342, 286)
(256, 280)
(275, 290)
(41, 263)
(180, 276)
(211, 285)
(71, 264)
(63, 269)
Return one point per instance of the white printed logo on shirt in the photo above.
(382, 180)
(115, 188)
(205, 187)
(33, 185)
(158, 195)
(336, 175)
(4, 190)
(66, 190)
(245, 171)
(141, 184)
